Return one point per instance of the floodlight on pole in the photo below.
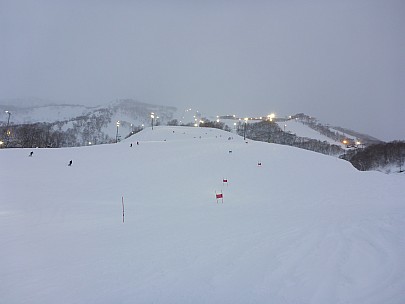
(271, 116)
(345, 142)
(8, 130)
(116, 136)
(244, 129)
(152, 116)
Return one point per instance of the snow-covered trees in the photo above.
(270, 132)
(378, 156)
(213, 124)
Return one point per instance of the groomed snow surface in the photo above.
(302, 130)
(301, 228)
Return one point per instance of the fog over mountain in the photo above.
(341, 61)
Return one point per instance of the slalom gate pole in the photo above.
(123, 210)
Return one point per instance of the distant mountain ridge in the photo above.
(84, 124)
(98, 124)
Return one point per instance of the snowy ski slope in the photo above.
(301, 228)
(302, 130)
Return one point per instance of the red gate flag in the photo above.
(219, 195)
(225, 180)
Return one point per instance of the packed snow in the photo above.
(302, 130)
(299, 228)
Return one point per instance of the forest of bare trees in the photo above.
(268, 131)
(378, 156)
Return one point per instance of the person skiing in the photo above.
(70, 163)
(31, 153)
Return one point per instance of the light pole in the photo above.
(116, 136)
(152, 116)
(284, 127)
(244, 128)
(271, 116)
(345, 142)
(8, 130)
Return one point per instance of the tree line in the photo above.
(269, 131)
(52, 135)
(378, 156)
(203, 123)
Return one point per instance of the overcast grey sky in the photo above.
(341, 61)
